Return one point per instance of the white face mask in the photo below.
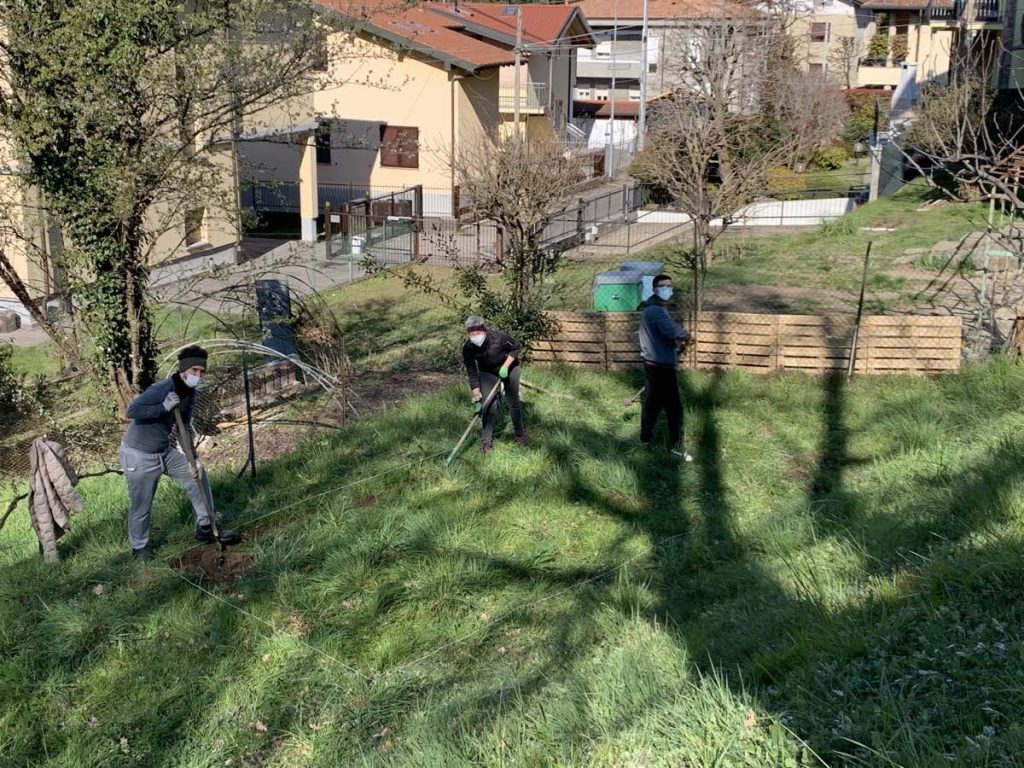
(664, 292)
(192, 380)
(478, 338)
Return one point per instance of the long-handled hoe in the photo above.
(472, 422)
(228, 537)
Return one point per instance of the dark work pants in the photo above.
(662, 392)
(515, 408)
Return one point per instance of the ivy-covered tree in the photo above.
(121, 115)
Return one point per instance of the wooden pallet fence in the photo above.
(762, 343)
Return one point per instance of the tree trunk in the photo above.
(13, 281)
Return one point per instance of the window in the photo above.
(816, 69)
(321, 54)
(399, 147)
(819, 31)
(583, 93)
(194, 220)
(652, 68)
(323, 144)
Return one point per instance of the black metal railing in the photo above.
(956, 10)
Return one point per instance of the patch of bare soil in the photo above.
(779, 298)
(211, 564)
(377, 391)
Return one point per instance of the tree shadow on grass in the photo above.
(841, 673)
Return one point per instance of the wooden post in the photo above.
(777, 357)
(327, 225)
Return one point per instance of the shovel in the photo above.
(472, 423)
(228, 537)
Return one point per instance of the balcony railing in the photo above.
(531, 98)
(956, 10)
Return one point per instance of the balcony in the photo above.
(955, 11)
(532, 98)
(874, 73)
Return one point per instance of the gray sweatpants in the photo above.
(143, 472)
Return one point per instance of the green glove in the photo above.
(477, 407)
(503, 372)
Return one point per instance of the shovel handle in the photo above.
(472, 423)
(190, 455)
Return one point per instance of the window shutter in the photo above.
(399, 147)
(388, 146)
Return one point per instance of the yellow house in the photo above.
(873, 43)
(184, 240)
(402, 91)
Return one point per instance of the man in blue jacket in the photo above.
(660, 337)
(147, 452)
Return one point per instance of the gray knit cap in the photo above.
(474, 321)
(191, 356)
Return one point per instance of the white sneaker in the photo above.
(682, 454)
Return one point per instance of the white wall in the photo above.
(775, 213)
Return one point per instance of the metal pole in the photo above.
(250, 461)
(610, 162)
(641, 125)
(519, 64)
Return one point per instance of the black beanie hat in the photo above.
(190, 356)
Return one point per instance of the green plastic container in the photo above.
(617, 291)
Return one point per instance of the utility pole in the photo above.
(610, 155)
(519, 65)
(641, 126)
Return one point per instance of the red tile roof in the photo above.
(423, 31)
(623, 108)
(541, 23)
(662, 9)
(905, 5)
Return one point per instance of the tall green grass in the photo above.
(834, 580)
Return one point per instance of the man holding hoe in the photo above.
(147, 454)
(491, 356)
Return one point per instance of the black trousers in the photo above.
(662, 392)
(515, 408)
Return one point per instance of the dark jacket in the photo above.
(489, 356)
(659, 333)
(151, 426)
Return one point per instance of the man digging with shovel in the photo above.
(146, 453)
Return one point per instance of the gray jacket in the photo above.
(659, 333)
(151, 426)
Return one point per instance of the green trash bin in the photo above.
(617, 291)
(649, 270)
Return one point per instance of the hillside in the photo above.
(835, 580)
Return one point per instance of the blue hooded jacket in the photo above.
(659, 333)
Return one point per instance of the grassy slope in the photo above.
(830, 257)
(840, 567)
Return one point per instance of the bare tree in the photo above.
(740, 112)
(964, 140)
(522, 185)
(844, 57)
